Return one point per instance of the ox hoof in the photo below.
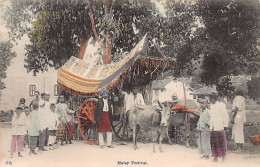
(161, 151)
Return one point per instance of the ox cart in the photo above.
(83, 81)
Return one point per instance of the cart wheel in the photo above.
(122, 129)
(86, 119)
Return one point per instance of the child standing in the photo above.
(52, 127)
(25, 137)
(70, 123)
(203, 130)
(18, 130)
(34, 127)
(61, 111)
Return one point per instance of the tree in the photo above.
(176, 31)
(254, 87)
(59, 27)
(6, 56)
(224, 86)
(228, 40)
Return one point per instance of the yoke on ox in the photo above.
(149, 117)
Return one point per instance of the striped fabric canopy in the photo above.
(80, 77)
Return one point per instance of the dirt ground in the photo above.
(82, 154)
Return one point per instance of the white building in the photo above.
(20, 84)
(163, 89)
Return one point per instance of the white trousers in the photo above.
(101, 138)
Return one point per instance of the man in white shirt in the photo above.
(238, 119)
(44, 113)
(133, 99)
(218, 124)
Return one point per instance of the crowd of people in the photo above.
(214, 121)
(42, 124)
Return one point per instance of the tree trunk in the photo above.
(82, 49)
(93, 24)
(107, 50)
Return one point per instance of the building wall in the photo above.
(170, 88)
(18, 79)
(18, 87)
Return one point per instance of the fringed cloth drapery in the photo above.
(79, 77)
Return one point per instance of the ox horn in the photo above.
(160, 105)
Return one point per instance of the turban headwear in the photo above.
(104, 91)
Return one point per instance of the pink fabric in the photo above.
(13, 143)
(71, 118)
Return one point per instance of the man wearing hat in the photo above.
(103, 118)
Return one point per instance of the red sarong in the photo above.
(70, 134)
(104, 123)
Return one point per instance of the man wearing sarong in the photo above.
(61, 111)
(238, 119)
(103, 118)
(203, 130)
(218, 123)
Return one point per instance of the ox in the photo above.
(149, 117)
(184, 117)
(178, 120)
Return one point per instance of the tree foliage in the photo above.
(208, 39)
(228, 40)
(6, 56)
(58, 28)
(225, 86)
(176, 33)
(254, 87)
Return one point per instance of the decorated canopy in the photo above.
(80, 77)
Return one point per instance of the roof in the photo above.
(238, 79)
(160, 84)
(80, 77)
(204, 91)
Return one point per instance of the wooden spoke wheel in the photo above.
(86, 119)
(122, 128)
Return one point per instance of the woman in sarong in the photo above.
(62, 129)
